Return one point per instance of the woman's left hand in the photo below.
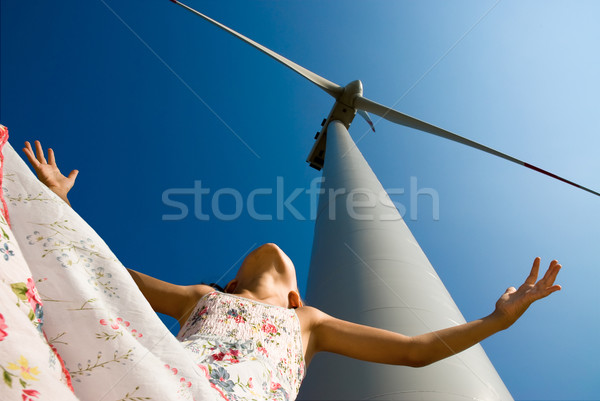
(514, 302)
(48, 172)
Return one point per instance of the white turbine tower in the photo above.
(366, 266)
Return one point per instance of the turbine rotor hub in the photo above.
(353, 89)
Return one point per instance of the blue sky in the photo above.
(194, 104)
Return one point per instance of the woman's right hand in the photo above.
(514, 302)
(48, 172)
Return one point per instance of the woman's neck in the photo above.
(267, 297)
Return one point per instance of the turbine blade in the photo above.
(394, 116)
(366, 117)
(333, 89)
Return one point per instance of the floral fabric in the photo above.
(248, 350)
(30, 367)
(3, 140)
(114, 347)
(71, 315)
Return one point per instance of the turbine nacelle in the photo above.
(342, 111)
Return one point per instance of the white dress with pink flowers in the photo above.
(248, 350)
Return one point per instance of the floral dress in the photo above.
(248, 350)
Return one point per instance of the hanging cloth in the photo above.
(109, 343)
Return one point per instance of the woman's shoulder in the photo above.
(310, 316)
(193, 294)
(197, 291)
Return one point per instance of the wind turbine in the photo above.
(373, 269)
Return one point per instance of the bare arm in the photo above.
(177, 301)
(377, 345)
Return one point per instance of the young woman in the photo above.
(256, 338)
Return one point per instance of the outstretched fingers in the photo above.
(533, 275)
(36, 158)
(546, 284)
(40, 152)
(73, 175)
(551, 273)
(551, 268)
(30, 155)
(51, 159)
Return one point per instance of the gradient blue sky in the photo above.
(521, 77)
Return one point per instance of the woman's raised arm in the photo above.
(376, 345)
(174, 300)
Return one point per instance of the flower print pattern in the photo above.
(6, 253)
(26, 291)
(65, 372)
(236, 315)
(262, 350)
(33, 297)
(184, 383)
(20, 198)
(38, 317)
(115, 324)
(197, 317)
(247, 349)
(118, 358)
(34, 238)
(220, 377)
(269, 328)
(82, 288)
(66, 260)
(100, 280)
(23, 369)
(56, 239)
(228, 354)
(205, 369)
(30, 394)
(118, 326)
(28, 360)
(3, 327)
(4, 233)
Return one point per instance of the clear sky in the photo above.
(143, 97)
